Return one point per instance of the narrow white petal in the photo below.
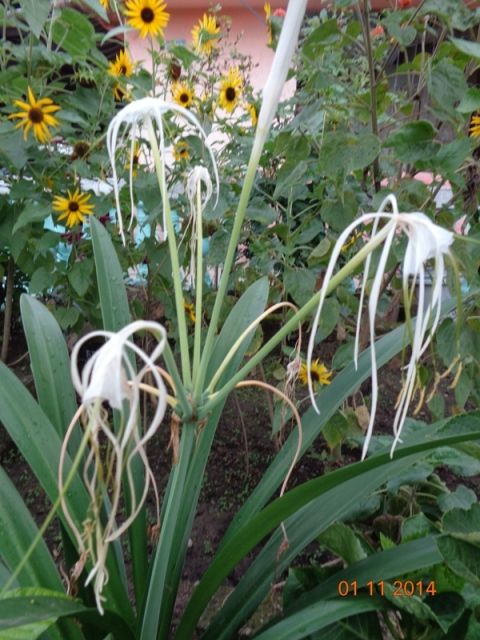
(372, 312)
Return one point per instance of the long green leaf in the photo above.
(17, 530)
(384, 565)
(249, 306)
(306, 511)
(39, 443)
(318, 616)
(50, 364)
(5, 575)
(115, 316)
(25, 607)
(28, 606)
(329, 400)
(110, 280)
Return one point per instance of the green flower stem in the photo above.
(227, 265)
(271, 97)
(172, 245)
(154, 614)
(181, 394)
(294, 321)
(236, 345)
(198, 286)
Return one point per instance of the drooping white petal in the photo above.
(426, 240)
(133, 117)
(111, 375)
(372, 311)
(199, 175)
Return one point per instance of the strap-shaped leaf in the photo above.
(328, 400)
(115, 316)
(25, 607)
(384, 565)
(306, 511)
(50, 364)
(249, 306)
(39, 443)
(169, 558)
(17, 530)
(318, 616)
(110, 280)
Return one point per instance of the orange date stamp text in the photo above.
(407, 588)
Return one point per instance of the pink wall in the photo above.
(250, 25)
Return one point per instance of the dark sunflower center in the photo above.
(35, 115)
(230, 94)
(315, 375)
(147, 15)
(123, 69)
(184, 97)
(73, 206)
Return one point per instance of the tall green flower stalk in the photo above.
(271, 96)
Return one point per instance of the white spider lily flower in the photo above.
(426, 240)
(110, 376)
(137, 114)
(199, 176)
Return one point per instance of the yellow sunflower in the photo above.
(122, 66)
(147, 16)
(182, 94)
(74, 208)
(121, 93)
(104, 3)
(180, 151)
(319, 372)
(252, 112)
(36, 115)
(474, 131)
(205, 34)
(230, 90)
(268, 19)
(190, 311)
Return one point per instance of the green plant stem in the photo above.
(154, 615)
(172, 245)
(46, 523)
(199, 285)
(7, 319)
(180, 392)
(227, 265)
(373, 88)
(294, 321)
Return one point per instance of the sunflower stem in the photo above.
(7, 319)
(373, 87)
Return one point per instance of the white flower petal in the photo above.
(426, 240)
(133, 116)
